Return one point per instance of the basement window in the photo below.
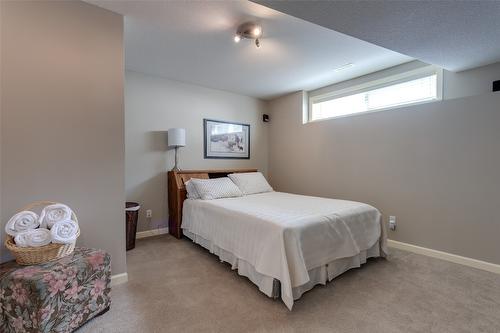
(414, 87)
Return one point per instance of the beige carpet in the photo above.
(176, 286)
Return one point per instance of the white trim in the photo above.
(376, 110)
(479, 264)
(119, 279)
(376, 84)
(380, 83)
(305, 107)
(152, 232)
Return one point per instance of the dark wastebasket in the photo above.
(131, 216)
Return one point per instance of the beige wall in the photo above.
(152, 106)
(62, 118)
(435, 166)
(470, 82)
(2, 231)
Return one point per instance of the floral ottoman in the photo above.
(58, 296)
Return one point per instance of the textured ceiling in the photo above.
(455, 35)
(192, 41)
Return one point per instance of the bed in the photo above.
(286, 243)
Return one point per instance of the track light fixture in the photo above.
(248, 30)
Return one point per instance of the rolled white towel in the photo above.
(33, 238)
(22, 221)
(54, 213)
(64, 232)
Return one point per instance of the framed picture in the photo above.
(224, 139)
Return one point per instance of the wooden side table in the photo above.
(174, 205)
(177, 195)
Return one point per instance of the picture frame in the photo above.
(225, 139)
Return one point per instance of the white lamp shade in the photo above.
(176, 137)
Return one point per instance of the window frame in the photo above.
(376, 84)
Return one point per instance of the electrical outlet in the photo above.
(149, 213)
(392, 222)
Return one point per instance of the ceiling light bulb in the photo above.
(237, 38)
(257, 31)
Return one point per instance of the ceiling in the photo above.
(192, 41)
(455, 35)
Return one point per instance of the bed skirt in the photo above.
(271, 286)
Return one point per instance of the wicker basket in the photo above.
(42, 254)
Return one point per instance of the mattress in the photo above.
(285, 236)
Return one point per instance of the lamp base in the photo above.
(176, 168)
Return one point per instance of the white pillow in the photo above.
(216, 188)
(191, 190)
(251, 182)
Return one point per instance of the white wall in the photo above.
(152, 106)
(62, 116)
(435, 166)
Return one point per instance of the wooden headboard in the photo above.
(177, 192)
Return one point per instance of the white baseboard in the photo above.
(487, 266)
(153, 232)
(118, 279)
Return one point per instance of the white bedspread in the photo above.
(284, 235)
